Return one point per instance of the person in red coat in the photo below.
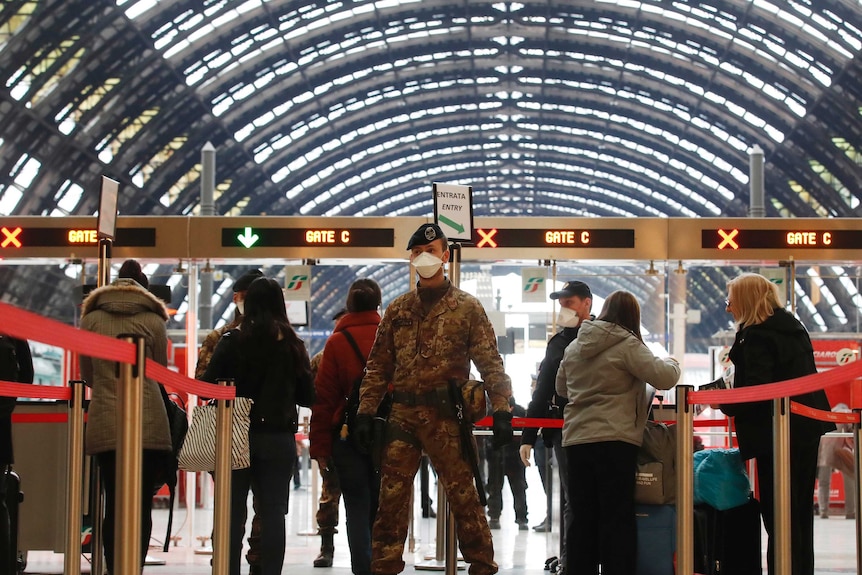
(332, 448)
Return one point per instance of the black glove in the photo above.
(502, 429)
(363, 432)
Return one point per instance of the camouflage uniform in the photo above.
(417, 353)
(330, 491)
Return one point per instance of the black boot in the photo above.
(327, 549)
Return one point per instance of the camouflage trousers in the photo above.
(412, 430)
(327, 508)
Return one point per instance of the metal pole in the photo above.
(781, 485)
(684, 482)
(221, 512)
(75, 486)
(451, 535)
(127, 525)
(756, 207)
(857, 435)
(97, 496)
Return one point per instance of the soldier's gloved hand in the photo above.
(363, 432)
(502, 429)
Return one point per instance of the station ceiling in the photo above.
(584, 108)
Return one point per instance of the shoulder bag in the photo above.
(198, 451)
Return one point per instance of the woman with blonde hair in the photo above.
(772, 345)
(604, 374)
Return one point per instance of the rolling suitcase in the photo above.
(728, 542)
(656, 525)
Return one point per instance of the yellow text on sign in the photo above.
(83, 237)
(567, 237)
(327, 236)
(809, 238)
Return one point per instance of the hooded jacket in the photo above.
(339, 368)
(604, 374)
(775, 350)
(119, 308)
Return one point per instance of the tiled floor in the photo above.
(517, 552)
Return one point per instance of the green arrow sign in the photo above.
(454, 225)
(248, 238)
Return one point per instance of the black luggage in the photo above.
(14, 497)
(728, 542)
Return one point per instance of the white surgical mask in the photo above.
(240, 307)
(567, 317)
(427, 265)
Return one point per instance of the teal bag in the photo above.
(720, 479)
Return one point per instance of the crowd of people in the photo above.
(412, 361)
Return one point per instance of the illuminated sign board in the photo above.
(25, 237)
(740, 239)
(251, 237)
(560, 238)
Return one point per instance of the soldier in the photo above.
(426, 340)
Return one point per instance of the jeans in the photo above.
(272, 460)
(8, 556)
(360, 491)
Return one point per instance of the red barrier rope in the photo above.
(819, 414)
(27, 325)
(788, 388)
(167, 377)
(10, 389)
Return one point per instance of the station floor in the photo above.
(517, 552)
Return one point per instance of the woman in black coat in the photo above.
(269, 364)
(772, 345)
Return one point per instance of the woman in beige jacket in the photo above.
(125, 307)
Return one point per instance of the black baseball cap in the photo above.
(573, 289)
(426, 234)
(244, 281)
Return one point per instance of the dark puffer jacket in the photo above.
(776, 350)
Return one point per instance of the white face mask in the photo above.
(567, 318)
(427, 265)
(240, 307)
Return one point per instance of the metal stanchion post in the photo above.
(221, 511)
(97, 510)
(781, 484)
(857, 435)
(127, 526)
(451, 542)
(684, 482)
(75, 487)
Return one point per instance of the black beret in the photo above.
(244, 281)
(426, 234)
(573, 289)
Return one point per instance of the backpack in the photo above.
(9, 371)
(655, 478)
(351, 405)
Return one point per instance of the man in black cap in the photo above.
(427, 339)
(240, 287)
(576, 301)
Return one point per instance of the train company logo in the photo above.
(295, 283)
(845, 356)
(533, 284)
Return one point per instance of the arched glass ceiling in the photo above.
(586, 108)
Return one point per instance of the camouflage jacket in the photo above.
(416, 354)
(210, 343)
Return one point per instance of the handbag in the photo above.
(655, 476)
(198, 451)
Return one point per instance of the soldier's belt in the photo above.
(433, 398)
